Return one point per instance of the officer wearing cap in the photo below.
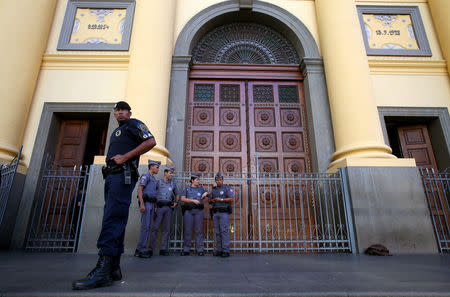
(166, 200)
(220, 198)
(147, 198)
(192, 198)
(127, 142)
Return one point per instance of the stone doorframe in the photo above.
(437, 120)
(45, 132)
(316, 95)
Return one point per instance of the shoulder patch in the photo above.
(144, 133)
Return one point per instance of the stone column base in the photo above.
(389, 207)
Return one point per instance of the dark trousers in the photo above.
(193, 218)
(146, 223)
(163, 216)
(115, 214)
(221, 221)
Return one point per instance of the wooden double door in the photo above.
(234, 122)
(233, 125)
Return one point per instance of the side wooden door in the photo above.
(415, 142)
(61, 192)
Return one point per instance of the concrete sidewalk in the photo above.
(31, 274)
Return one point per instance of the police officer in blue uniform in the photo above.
(221, 197)
(127, 142)
(192, 198)
(166, 200)
(147, 198)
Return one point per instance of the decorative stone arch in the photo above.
(316, 96)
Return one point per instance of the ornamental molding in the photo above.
(86, 62)
(244, 43)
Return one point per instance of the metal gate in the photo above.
(279, 212)
(7, 174)
(437, 191)
(57, 210)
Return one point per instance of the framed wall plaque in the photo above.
(393, 31)
(97, 25)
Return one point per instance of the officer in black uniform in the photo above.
(130, 140)
(221, 198)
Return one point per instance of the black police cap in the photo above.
(122, 105)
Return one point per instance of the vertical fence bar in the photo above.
(7, 175)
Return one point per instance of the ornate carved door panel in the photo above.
(278, 136)
(277, 132)
(216, 136)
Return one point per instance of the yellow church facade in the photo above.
(307, 85)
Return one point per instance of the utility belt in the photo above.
(227, 209)
(164, 203)
(130, 171)
(191, 206)
(146, 198)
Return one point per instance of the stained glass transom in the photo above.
(204, 92)
(288, 94)
(229, 93)
(244, 43)
(263, 93)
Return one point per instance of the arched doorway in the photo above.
(247, 81)
(246, 101)
(320, 132)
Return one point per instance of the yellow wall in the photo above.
(103, 76)
(412, 90)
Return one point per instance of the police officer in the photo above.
(166, 200)
(147, 198)
(192, 198)
(127, 142)
(221, 197)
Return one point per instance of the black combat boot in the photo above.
(100, 276)
(116, 273)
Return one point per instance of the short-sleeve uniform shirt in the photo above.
(194, 193)
(127, 137)
(149, 183)
(223, 192)
(166, 191)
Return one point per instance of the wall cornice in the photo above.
(408, 67)
(85, 62)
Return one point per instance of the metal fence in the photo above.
(272, 212)
(7, 174)
(279, 212)
(437, 191)
(57, 210)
